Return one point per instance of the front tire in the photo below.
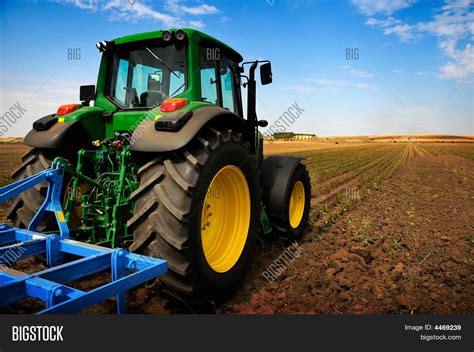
(292, 226)
(208, 188)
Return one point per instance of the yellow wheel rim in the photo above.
(297, 200)
(225, 219)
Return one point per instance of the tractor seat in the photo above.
(152, 98)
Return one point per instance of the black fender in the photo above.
(275, 178)
(68, 137)
(146, 138)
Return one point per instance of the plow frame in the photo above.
(126, 270)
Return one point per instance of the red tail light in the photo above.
(173, 104)
(66, 109)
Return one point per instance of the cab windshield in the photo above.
(144, 76)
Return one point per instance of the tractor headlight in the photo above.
(101, 46)
(180, 34)
(167, 35)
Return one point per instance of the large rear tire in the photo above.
(199, 209)
(24, 206)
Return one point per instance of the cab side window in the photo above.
(218, 80)
(227, 84)
(208, 76)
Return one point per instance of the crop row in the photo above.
(349, 183)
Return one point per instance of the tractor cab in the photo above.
(144, 74)
(140, 72)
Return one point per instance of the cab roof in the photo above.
(191, 33)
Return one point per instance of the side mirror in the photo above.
(266, 73)
(86, 94)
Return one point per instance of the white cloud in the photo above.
(357, 73)
(364, 86)
(398, 71)
(308, 89)
(301, 88)
(196, 24)
(86, 4)
(361, 73)
(391, 25)
(174, 14)
(124, 10)
(456, 4)
(453, 25)
(176, 6)
(225, 19)
(389, 21)
(387, 7)
(340, 83)
(325, 85)
(405, 32)
(462, 66)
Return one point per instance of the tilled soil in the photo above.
(407, 247)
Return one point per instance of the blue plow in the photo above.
(127, 270)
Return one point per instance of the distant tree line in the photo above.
(283, 135)
(289, 135)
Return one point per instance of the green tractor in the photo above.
(165, 162)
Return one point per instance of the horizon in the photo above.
(346, 136)
(371, 68)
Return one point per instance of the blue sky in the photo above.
(414, 72)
